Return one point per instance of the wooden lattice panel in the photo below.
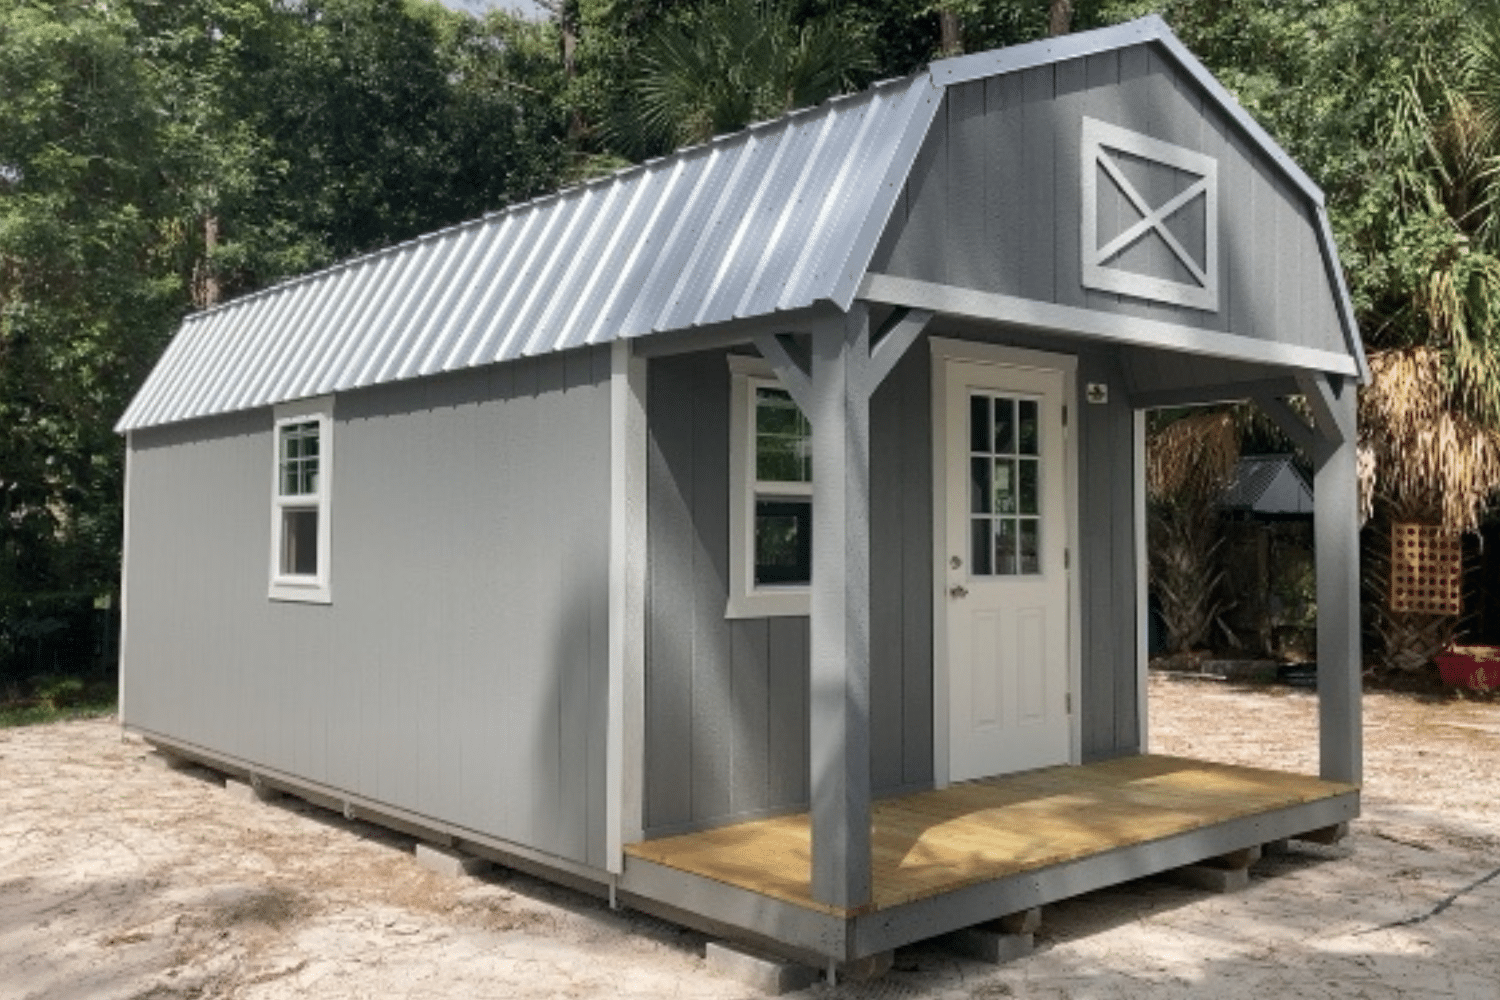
(1426, 569)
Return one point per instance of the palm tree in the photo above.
(1430, 419)
(1190, 460)
(723, 66)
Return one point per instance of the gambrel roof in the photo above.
(778, 217)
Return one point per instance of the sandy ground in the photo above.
(119, 879)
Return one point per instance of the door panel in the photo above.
(1006, 591)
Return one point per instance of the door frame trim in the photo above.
(944, 350)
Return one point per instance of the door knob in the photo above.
(958, 590)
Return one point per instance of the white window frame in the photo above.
(314, 589)
(746, 600)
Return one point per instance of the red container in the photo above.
(1473, 667)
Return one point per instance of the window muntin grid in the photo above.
(1005, 522)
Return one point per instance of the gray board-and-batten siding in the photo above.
(461, 671)
(727, 699)
(993, 201)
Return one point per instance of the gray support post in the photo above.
(1336, 541)
(840, 626)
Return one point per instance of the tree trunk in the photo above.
(206, 290)
(1184, 542)
(567, 22)
(952, 40)
(1060, 18)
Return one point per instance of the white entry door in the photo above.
(1006, 590)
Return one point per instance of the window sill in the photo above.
(793, 602)
(300, 592)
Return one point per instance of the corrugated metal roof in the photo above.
(776, 217)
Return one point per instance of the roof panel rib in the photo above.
(777, 217)
(668, 245)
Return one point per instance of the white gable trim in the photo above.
(967, 302)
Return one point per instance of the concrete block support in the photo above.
(250, 791)
(990, 943)
(1025, 922)
(448, 862)
(769, 975)
(1209, 877)
(867, 969)
(166, 761)
(1325, 835)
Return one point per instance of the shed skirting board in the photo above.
(952, 300)
(800, 931)
(534, 862)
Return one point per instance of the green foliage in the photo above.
(55, 699)
(157, 155)
(721, 67)
(86, 292)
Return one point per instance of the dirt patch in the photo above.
(122, 880)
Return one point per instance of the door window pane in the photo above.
(1028, 426)
(1027, 492)
(1005, 486)
(1005, 547)
(1031, 553)
(979, 424)
(980, 492)
(1005, 426)
(1005, 480)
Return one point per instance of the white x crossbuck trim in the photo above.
(1101, 145)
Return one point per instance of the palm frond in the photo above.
(1193, 456)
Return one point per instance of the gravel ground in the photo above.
(122, 880)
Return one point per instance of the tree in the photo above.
(87, 289)
(724, 66)
(1190, 460)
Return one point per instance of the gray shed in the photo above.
(756, 534)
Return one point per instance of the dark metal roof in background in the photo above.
(776, 217)
(1268, 484)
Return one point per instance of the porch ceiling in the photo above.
(937, 842)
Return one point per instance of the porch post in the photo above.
(840, 643)
(1336, 543)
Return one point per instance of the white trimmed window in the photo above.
(770, 496)
(300, 511)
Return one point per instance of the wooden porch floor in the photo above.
(936, 842)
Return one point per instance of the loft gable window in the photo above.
(300, 508)
(770, 496)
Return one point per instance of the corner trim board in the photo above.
(1142, 597)
(120, 653)
(1052, 318)
(624, 753)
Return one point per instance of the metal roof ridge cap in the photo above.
(1011, 58)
